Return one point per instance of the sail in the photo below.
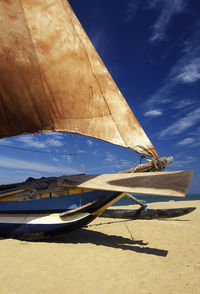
(52, 79)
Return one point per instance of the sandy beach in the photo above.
(109, 256)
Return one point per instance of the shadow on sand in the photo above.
(83, 236)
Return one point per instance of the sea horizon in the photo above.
(151, 199)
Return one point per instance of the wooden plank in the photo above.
(153, 183)
(11, 191)
(173, 184)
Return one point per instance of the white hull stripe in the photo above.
(41, 219)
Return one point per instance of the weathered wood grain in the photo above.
(133, 214)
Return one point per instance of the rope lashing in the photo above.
(158, 164)
(142, 203)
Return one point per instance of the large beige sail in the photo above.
(52, 79)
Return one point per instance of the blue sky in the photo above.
(152, 50)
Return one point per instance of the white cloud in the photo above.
(189, 72)
(168, 8)
(153, 113)
(192, 141)
(90, 143)
(183, 103)
(110, 157)
(185, 71)
(162, 96)
(99, 39)
(55, 159)
(82, 151)
(132, 7)
(182, 124)
(186, 141)
(68, 158)
(13, 163)
(183, 163)
(56, 135)
(29, 140)
(53, 142)
(32, 141)
(95, 152)
(5, 141)
(96, 40)
(124, 164)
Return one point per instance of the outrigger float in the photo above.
(145, 213)
(53, 80)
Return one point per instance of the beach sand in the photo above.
(109, 256)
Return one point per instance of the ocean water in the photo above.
(150, 199)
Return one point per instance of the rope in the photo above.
(142, 157)
(38, 151)
(158, 164)
(77, 161)
(142, 203)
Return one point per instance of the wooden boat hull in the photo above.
(54, 204)
(50, 217)
(80, 197)
(39, 227)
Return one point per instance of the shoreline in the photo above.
(110, 256)
(155, 199)
(160, 204)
